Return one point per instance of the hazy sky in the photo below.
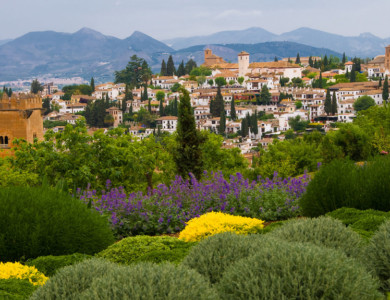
(164, 19)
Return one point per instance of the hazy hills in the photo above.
(364, 45)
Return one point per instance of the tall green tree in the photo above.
(244, 127)
(328, 103)
(36, 87)
(254, 126)
(363, 103)
(320, 81)
(222, 123)
(218, 104)
(311, 63)
(190, 65)
(161, 108)
(175, 107)
(344, 60)
(276, 59)
(181, 70)
(334, 103)
(233, 115)
(145, 95)
(352, 76)
(92, 84)
(220, 81)
(380, 82)
(136, 73)
(188, 156)
(170, 67)
(265, 95)
(163, 70)
(325, 61)
(298, 59)
(385, 91)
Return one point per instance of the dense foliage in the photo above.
(16, 289)
(40, 221)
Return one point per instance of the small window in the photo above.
(6, 140)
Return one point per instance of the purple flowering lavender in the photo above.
(166, 209)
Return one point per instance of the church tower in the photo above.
(387, 59)
(243, 63)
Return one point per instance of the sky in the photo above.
(165, 19)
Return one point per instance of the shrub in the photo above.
(149, 281)
(212, 256)
(323, 231)
(49, 265)
(16, 289)
(216, 222)
(297, 271)
(378, 254)
(146, 248)
(344, 184)
(18, 271)
(69, 282)
(39, 221)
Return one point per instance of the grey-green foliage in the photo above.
(146, 248)
(378, 255)
(49, 265)
(297, 271)
(149, 281)
(69, 282)
(322, 231)
(213, 255)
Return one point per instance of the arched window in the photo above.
(6, 140)
(1, 140)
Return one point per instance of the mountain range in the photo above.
(88, 53)
(364, 45)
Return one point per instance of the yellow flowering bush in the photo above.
(18, 271)
(216, 222)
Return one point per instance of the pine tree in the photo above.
(222, 123)
(170, 66)
(161, 108)
(92, 84)
(188, 156)
(344, 60)
(298, 59)
(233, 115)
(328, 103)
(334, 103)
(385, 92)
(265, 96)
(163, 71)
(181, 71)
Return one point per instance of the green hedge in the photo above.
(16, 289)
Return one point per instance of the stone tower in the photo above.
(20, 117)
(243, 63)
(207, 53)
(387, 59)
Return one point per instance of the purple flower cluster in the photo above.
(166, 209)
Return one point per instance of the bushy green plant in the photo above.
(49, 265)
(323, 231)
(378, 255)
(71, 281)
(40, 221)
(297, 271)
(213, 255)
(149, 281)
(146, 248)
(16, 289)
(345, 184)
(270, 227)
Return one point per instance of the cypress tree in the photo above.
(149, 106)
(320, 81)
(265, 96)
(191, 64)
(219, 104)
(344, 60)
(347, 75)
(298, 59)
(311, 63)
(92, 84)
(233, 109)
(163, 71)
(325, 61)
(170, 66)
(175, 107)
(161, 108)
(254, 127)
(334, 103)
(276, 59)
(244, 127)
(380, 82)
(145, 93)
(181, 71)
(385, 92)
(352, 76)
(328, 103)
(222, 123)
(188, 157)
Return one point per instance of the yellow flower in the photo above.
(216, 222)
(18, 271)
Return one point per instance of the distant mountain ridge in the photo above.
(364, 45)
(88, 53)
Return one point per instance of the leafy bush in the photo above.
(71, 281)
(344, 184)
(150, 281)
(212, 256)
(378, 255)
(39, 221)
(216, 222)
(16, 289)
(49, 265)
(146, 248)
(323, 231)
(18, 271)
(297, 271)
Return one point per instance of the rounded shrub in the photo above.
(151, 281)
(378, 254)
(16, 289)
(146, 248)
(322, 231)
(212, 256)
(71, 281)
(41, 221)
(49, 265)
(297, 271)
